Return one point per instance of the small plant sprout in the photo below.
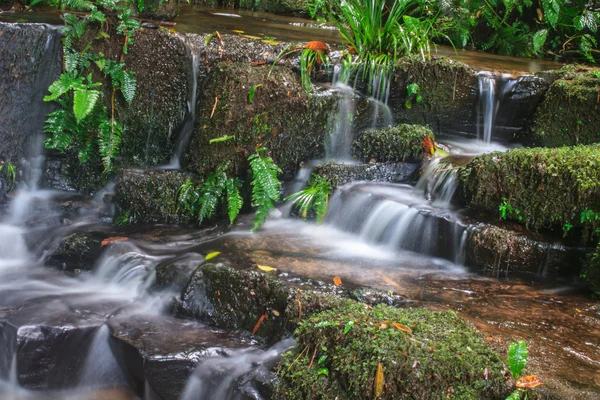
(517, 360)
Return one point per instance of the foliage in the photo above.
(265, 186)
(10, 174)
(203, 201)
(517, 360)
(591, 269)
(314, 196)
(82, 121)
(308, 59)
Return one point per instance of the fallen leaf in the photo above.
(110, 240)
(530, 381)
(379, 380)
(390, 282)
(275, 313)
(237, 31)
(402, 328)
(212, 255)
(260, 320)
(337, 281)
(428, 146)
(266, 268)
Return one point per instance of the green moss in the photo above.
(591, 270)
(548, 187)
(442, 358)
(281, 117)
(394, 144)
(570, 111)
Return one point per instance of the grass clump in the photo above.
(421, 354)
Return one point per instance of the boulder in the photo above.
(401, 143)
(341, 174)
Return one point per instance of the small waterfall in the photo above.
(189, 122)
(230, 376)
(493, 90)
(382, 113)
(101, 369)
(439, 182)
(338, 144)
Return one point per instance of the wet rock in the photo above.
(78, 251)
(373, 297)
(236, 299)
(151, 195)
(426, 355)
(569, 113)
(502, 250)
(281, 117)
(401, 143)
(159, 10)
(449, 89)
(162, 351)
(173, 276)
(537, 187)
(522, 101)
(341, 174)
(591, 269)
(30, 60)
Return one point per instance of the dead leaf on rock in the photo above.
(110, 240)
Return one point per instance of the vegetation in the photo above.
(265, 186)
(517, 360)
(10, 174)
(314, 197)
(358, 352)
(591, 269)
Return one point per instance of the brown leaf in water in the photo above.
(379, 380)
(260, 320)
(317, 46)
(428, 146)
(390, 282)
(402, 328)
(110, 240)
(530, 381)
(337, 281)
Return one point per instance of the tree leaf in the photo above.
(337, 281)
(266, 268)
(517, 357)
(379, 381)
(212, 255)
(539, 38)
(348, 326)
(402, 328)
(530, 381)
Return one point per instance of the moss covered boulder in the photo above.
(246, 107)
(538, 186)
(401, 143)
(150, 196)
(449, 94)
(341, 174)
(420, 354)
(77, 251)
(570, 111)
(164, 10)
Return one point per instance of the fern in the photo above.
(234, 199)
(84, 101)
(314, 196)
(265, 186)
(109, 142)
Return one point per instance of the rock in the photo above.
(150, 196)
(537, 187)
(78, 251)
(428, 355)
(591, 269)
(449, 89)
(174, 276)
(373, 297)
(341, 174)
(30, 60)
(401, 143)
(281, 117)
(159, 10)
(502, 249)
(569, 113)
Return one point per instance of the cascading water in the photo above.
(493, 92)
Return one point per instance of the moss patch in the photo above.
(570, 111)
(543, 187)
(394, 144)
(149, 196)
(280, 117)
(443, 357)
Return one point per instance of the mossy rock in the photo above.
(77, 251)
(339, 350)
(280, 117)
(449, 94)
(401, 143)
(288, 7)
(591, 270)
(341, 174)
(163, 10)
(570, 111)
(540, 186)
(150, 196)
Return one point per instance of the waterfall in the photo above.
(100, 368)
(493, 91)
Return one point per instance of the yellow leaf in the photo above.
(379, 380)
(237, 31)
(212, 255)
(402, 328)
(266, 268)
(337, 281)
(530, 381)
(251, 37)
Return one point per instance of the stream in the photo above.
(102, 328)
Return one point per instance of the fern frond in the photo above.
(128, 86)
(109, 142)
(84, 101)
(314, 196)
(234, 199)
(58, 125)
(265, 186)
(62, 85)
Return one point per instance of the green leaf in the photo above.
(221, 139)
(253, 92)
(212, 255)
(323, 371)
(517, 358)
(348, 326)
(61, 86)
(539, 38)
(322, 359)
(413, 88)
(128, 86)
(234, 199)
(84, 101)
(515, 395)
(551, 11)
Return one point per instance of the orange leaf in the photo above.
(379, 380)
(428, 146)
(317, 46)
(530, 381)
(402, 328)
(110, 240)
(337, 281)
(260, 320)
